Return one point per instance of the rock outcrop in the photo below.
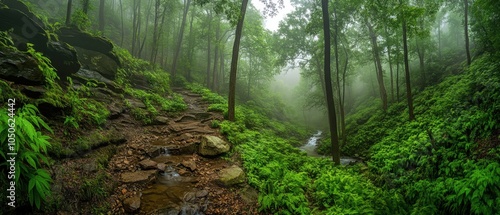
(20, 68)
(213, 146)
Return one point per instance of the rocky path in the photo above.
(181, 166)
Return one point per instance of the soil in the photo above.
(157, 170)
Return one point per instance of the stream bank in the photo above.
(310, 149)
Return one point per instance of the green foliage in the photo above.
(80, 20)
(442, 162)
(31, 147)
(93, 189)
(84, 109)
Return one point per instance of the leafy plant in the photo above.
(31, 147)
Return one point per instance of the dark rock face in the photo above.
(23, 26)
(97, 61)
(27, 28)
(15, 4)
(95, 53)
(63, 58)
(20, 68)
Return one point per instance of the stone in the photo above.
(78, 38)
(20, 68)
(63, 58)
(231, 176)
(201, 193)
(213, 146)
(148, 164)
(132, 204)
(24, 28)
(138, 176)
(34, 92)
(97, 61)
(190, 164)
(160, 120)
(161, 166)
(124, 191)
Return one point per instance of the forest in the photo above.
(195, 107)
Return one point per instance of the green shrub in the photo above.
(31, 147)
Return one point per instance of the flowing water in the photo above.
(310, 149)
(171, 193)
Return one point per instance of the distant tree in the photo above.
(68, 12)
(407, 67)
(187, 3)
(466, 30)
(101, 16)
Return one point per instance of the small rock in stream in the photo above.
(132, 204)
(148, 164)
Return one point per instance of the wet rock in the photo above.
(136, 103)
(34, 92)
(190, 209)
(161, 166)
(190, 164)
(201, 193)
(138, 176)
(189, 196)
(183, 172)
(165, 144)
(148, 164)
(160, 120)
(64, 58)
(213, 146)
(185, 137)
(97, 61)
(132, 204)
(231, 176)
(20, 68)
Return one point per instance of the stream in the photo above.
(310, 149)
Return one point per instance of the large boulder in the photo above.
(27, 28)
(213, 146)
(231, 176)
(97, 61)
(23, 26)
(18, 5)
(63, 58)
(20, 68)
(81, 39)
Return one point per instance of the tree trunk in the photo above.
(68, 13)
(123, 29)
(134, 25)
(154, 44)
(336, 50)
(407, 73)
(332, 118)
(389, 46)
(380, 75)
(234, 62)
(466, 30)
(145, 32)
(342, 109)
(85, 6)
(216, 54)
(101, 17)
(421, 55)
(190, 45)
(187, 3)
(209, 45)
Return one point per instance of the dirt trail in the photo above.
(159, 170)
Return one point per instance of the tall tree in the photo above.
(68, 12)
(332, 118)
(407, 69)
(181, 36)
(234, 62)
(466, 30)
(378, 64)
(85, 6)
(123, 29)
(101, 16)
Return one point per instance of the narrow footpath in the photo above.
(180, 166)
